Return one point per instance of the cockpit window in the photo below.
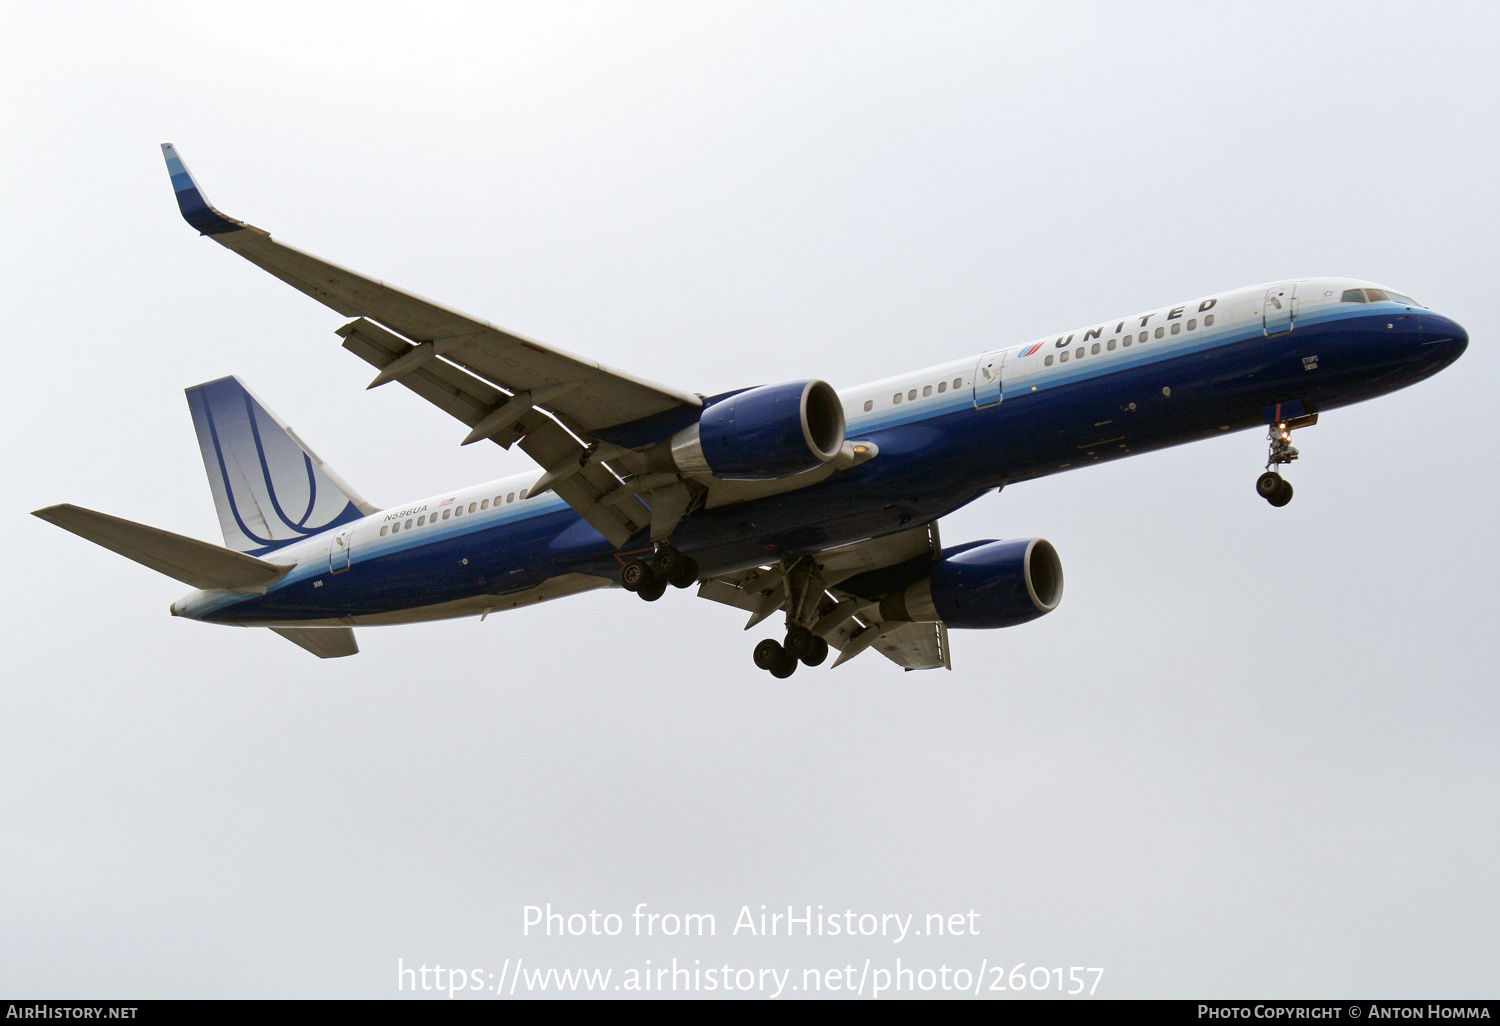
(1377, 296)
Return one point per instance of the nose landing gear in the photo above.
(1271, 486)
(1274, 488)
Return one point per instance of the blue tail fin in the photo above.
(270, 489)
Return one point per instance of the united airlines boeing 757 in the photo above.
(797, 498)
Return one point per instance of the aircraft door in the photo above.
(1280, 309)
(339, 549)
(988, 379)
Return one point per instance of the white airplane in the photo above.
(796, 498)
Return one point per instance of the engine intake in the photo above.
(764, 433)
(991, 584)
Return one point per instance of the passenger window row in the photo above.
(456, 511)
(910, 396)
(1127, 341)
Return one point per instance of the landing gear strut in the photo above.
(1271, 486)
(667, 566)
(796, 586)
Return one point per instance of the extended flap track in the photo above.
(578, 471)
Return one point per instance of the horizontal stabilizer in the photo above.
(323, 642)
(198, 564)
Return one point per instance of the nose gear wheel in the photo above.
(1271, 486)
(1274, 488)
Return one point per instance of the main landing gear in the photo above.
(796, 585)
(649, 580)
(1271, 486)
(781, 658)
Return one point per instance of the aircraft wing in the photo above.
(503, 386)
(849, 622)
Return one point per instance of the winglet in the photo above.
(196, 210)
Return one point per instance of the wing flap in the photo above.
(470, 400)
(323, 642)
(850, 623)
(456, 392)
(195, 563)
(915, 646)
(555, 449)
(877, 553)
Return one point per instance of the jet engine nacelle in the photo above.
(764, 433)
(992, 584)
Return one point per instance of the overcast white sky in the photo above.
(1252, 753)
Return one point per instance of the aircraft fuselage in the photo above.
(945, 435)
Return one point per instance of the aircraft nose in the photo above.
(1444, 335)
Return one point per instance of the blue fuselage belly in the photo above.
(929, 465)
